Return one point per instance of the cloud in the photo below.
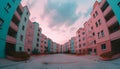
(61, 12)
(60, 19)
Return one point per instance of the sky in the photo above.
(59, 19)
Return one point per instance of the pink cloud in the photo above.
(59, 34)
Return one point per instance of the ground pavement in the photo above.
(63, 61)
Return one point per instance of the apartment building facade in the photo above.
(90, 37)
(36, 38)
(20, 43)
(49, 44)
(8, 9)
(44, 44)
(102, 30)
(81, 41)
(29, 37)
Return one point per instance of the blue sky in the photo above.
(59, 19)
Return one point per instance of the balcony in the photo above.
(111, 21)
(11, 39)
(17, 15)
(12, 32)
(19, 10)
(115, 35)
(16, 19)
(13, 26)
(102, 3)
(109, 15)
(114, 28)
(107, 10)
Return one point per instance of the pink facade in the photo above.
(100, 31)
(81, 41)
(90, 37)
(58, 48)
(29, 37)
(43, 44)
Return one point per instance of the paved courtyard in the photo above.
(62, 61)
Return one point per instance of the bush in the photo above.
(21, 55)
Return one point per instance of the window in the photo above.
(20, 48)
(79, 40)
(8, 7)
(79, 45)
(79, 35)
(94, 41)
(91, 28)
(118, 4)
(38, 34)
(38, 29)
(96, 24)
(23, 27)
(1, 23)
(99, 22)
(103, 46)
(96, 13)
(28, 50)
(84, 44)
(27, 13)
(21, 37)
(25, 19)
(94, 50)
(83, 33)
(93, 34)
(44, 42)
(98, 35)
(37, 45)
(37, 39)
(102, 33)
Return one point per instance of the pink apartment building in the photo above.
(58, 48)
(102, 31)
(43, 44)
(90, 37)
(81, 41)
(29, 37)
(113, 27)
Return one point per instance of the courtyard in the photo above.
(61, 61)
